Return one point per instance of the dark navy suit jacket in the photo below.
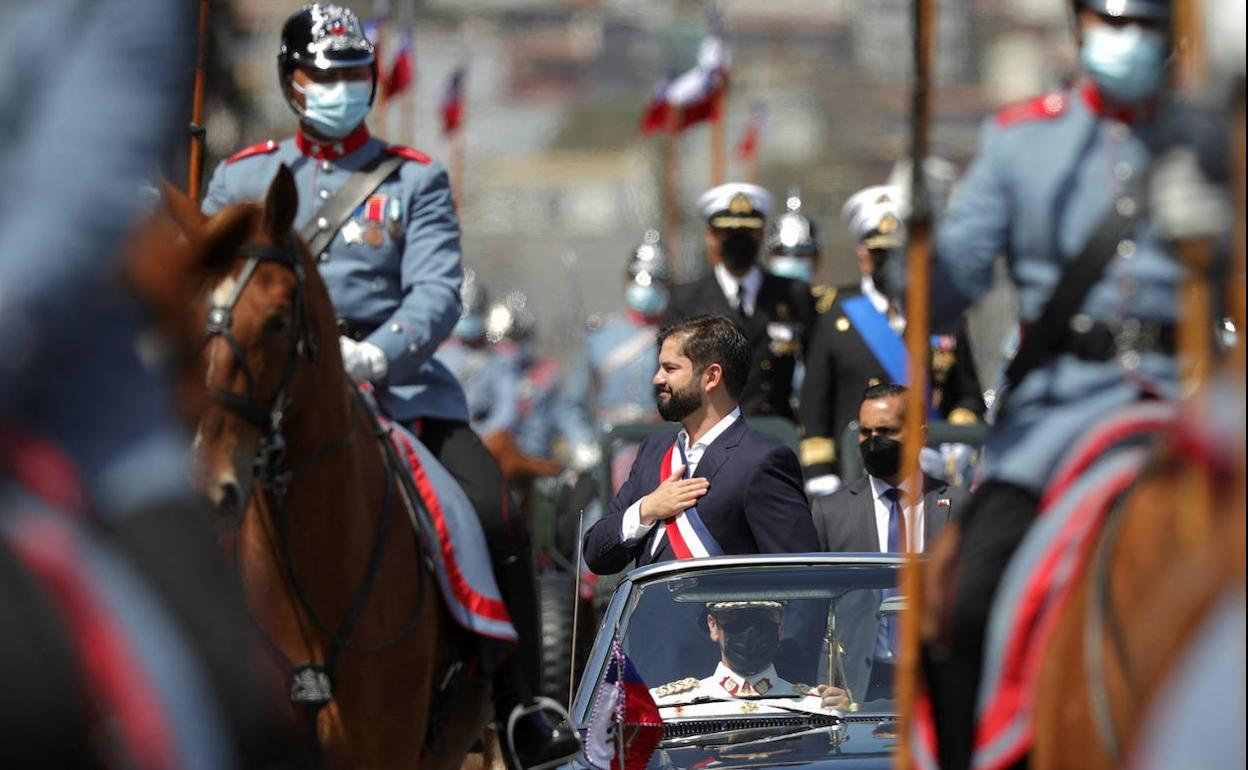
(755, 503)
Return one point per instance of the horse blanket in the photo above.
(460, 557)
(1039, 578)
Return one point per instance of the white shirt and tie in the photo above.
(631, 529)
(896, 321)
(741, 293)
(883, 511)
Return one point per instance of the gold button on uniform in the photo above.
(842, 324)
(765, 365)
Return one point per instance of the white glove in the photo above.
(364, 361)
(1184, 203)
(584, 456)
(821, 486)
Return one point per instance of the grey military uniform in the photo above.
(1046, 173)
(91, 92)
(393, 270)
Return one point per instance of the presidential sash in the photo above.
(884, 343)
(686, 531)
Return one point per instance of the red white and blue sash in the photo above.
(686, 531)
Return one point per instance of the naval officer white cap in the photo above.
(735, 204)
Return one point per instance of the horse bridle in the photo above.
(310, 682)
(271, 451)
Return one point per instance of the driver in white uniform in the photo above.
(748, 634)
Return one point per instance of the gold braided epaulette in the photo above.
(675, 688)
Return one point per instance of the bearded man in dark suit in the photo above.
(716, 486)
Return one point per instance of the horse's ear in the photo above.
(281, 203)
(226, 233)
(184, 211)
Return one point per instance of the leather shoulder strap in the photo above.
(320, 230)
(1041, 337)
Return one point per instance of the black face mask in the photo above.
(739, 250)
(752, 648)
(879, 276)
(881, 456)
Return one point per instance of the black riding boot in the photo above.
(537, 737)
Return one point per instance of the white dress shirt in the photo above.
(883, 506)
(743, 290)
(632, 530)
(896, 321)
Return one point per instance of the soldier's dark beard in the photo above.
(679, 405)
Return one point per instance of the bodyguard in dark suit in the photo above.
(871, 515)
(716, 486)
(856, 343)
(861, 517)
(774, 312)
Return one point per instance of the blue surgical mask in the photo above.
(647, 300)
(335, 109)
(1128, 63)
(469, 328)
(798, 268)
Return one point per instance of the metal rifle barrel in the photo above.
(918, 257)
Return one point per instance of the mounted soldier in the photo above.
(381, 222)
(1058, 187)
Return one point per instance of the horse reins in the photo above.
(310, 683)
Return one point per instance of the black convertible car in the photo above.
(754, 661)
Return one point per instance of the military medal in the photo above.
(352, 232)
(374, 237)
(394, 213)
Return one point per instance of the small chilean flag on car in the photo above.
(624, 725)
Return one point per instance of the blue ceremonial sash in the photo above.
(885, 345)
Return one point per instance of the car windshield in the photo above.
(766, 633)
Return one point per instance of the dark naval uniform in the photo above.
(777, 331)
(840, 366)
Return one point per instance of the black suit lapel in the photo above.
(870, 533)
(717, 452)
(936, 516)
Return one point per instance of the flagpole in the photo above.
(383, 112)
(918, 258)
(720, 95)
(671, 193)
(457, 167)
(194, 177)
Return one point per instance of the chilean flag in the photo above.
(624, 725)
(696, 94)
(399, 77)
(453, 102)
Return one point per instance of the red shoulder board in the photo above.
(1043, 107)
(263, 148)
(409, 153)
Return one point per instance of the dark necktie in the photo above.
(886, 641)
(896, 521)
(741, 301)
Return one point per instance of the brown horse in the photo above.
(1175, 548)
(330, 563)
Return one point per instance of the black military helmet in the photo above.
(648, 262)
(1152, 10)
(324, 36)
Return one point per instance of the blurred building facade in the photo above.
(558, 183)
